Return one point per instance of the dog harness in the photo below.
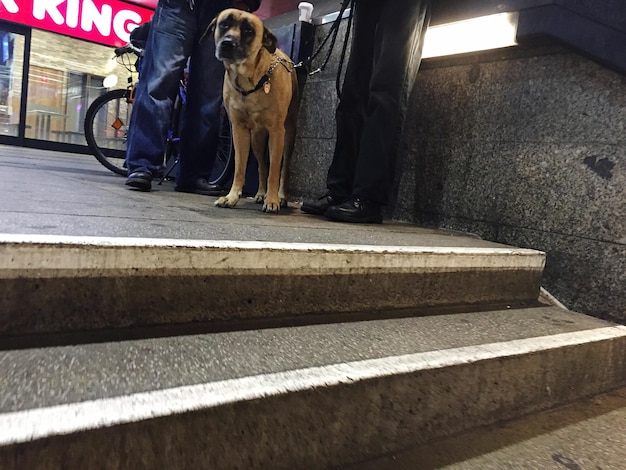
(264, 82)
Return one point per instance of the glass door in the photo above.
(82, 89)
(14, 43)
(45, 116)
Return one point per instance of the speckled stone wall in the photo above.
(528, 151)
(526, 148)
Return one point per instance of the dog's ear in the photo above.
(269, 40)
(210, 30)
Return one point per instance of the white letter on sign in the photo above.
(121, 19)
(71, 17)
(41, 7)
(91, 16)
(10, 5)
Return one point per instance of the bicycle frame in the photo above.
(110, 151)
(172, 140)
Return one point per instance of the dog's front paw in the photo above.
(283, 202)
(271, 205)
(230, 200)
(271, 208)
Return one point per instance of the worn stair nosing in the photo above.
(28, 425)
(68, 284)
(45, 256)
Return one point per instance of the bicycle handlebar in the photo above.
(127, 49)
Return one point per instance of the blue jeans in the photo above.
(381, 71)
(173, 38)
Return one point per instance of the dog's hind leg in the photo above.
(259, 148)
(241, 138)
(290, 142)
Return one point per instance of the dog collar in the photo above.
(264, 82)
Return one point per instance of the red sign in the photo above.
(145, 3)
(103, 21)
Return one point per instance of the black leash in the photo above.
(333, 31)
(343, 50)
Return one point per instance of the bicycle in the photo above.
(107, 119)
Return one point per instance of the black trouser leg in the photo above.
(354, 92)
(386, 56)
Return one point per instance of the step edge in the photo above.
(32, 424)
(252, 245)
(19, 258)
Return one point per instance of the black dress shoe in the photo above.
(320, 205)
(201, 186)
(356, 210)
(141, 180)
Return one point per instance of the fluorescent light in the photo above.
(476, 34)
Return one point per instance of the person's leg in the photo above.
(164, 58)
(350, 111)
(200, 126)
(399, 41)
(354, 98)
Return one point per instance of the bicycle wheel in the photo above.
(106, 129)
(224, 165)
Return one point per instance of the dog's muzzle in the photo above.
(228, 48)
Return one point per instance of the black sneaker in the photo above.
(140, 180)
(201, 186)
(356, 210)
(320, 205)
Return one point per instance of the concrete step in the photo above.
(61, 284)
(302, 397)
(586, 434)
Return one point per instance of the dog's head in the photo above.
(239, 35)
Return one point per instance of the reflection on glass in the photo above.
(45, 115)
(65, 77)
(11, 62)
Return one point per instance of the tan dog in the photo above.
(261, 98)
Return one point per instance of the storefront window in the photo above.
(11, 63)
(65, 76)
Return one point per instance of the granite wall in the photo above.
(525, 147)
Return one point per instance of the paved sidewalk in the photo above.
(56, 193)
